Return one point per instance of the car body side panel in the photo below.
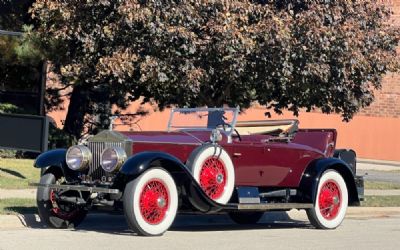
(271, 164)
(258, 161)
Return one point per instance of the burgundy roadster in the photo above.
(205, 162)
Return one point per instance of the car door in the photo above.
(268, 163)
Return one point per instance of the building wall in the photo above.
(387, 100)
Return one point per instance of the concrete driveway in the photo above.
(362, 229)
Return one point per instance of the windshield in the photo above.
(203, 119)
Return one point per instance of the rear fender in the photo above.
(311, 176)
(188, 187)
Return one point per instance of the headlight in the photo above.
(112, 159)
(78, 157)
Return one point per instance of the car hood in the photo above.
(190, 137)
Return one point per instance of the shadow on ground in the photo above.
(21, 210)
(13, 173)
(116, 224)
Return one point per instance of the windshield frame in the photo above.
(232, 124)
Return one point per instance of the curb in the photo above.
(379, 162)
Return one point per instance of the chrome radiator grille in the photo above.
(97, 148)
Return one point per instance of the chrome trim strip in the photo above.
(77, 188)
(193, 136)
(164, 142)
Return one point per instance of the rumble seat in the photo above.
(271, 127)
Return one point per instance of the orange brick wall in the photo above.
(387, 100)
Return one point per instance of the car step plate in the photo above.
(274, 206)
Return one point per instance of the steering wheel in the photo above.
(227, 125)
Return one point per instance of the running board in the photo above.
(272, 206)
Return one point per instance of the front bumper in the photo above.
(78, 188)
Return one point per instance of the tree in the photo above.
(14, 14)
(284, 54)
(18, 55)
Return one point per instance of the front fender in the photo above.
(55, 157)
(54, 161)
(311, 176)
(188, 186)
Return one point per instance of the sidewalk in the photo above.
(18, 193)
(365, 164)
(384, 192)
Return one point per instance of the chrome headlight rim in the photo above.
(86, 157)
(121, 157)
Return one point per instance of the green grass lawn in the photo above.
(381, 201)
(17, 173)
(18, 206)
(380, 185)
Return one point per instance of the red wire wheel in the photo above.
(329, 199)
(154, 201)
(59, 212)
(213, 177)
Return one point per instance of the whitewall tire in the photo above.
(213, 169)
(151, 202)
(331, 201)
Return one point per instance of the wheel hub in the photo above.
(220, 178)
(213, 177)
(154, 200)
(329, 200)
(161, 202)
(336, 200)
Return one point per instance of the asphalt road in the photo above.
(276, 231)
(381, 176)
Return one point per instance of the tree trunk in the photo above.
(74, 122)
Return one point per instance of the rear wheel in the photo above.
(245, 217)
(151, 202)
(331, 201)
(55, 213)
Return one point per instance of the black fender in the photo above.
(312, 174)
(188, 187)
(54, 161)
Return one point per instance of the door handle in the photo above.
(237, 154)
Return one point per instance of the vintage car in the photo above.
(206, 162)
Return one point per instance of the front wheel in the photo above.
(55, 213)
(331, 202)
(151, 202)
